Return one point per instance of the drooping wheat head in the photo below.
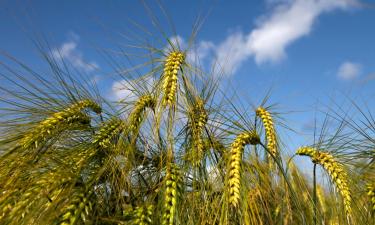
(334, 169)
(371, 195)
(78, 210)
(143, 215)
(171, 67)
(197, 120)
(235, 158)
(108, 131)
(173, 182)
(269, 129)
(137, 115)
(50, 126)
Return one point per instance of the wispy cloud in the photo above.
(69, 52)
(349, 70)
(287, 21)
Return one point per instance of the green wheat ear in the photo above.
(65, 119)
(143, 215)
(78, 210)
(137, 115)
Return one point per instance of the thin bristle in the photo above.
(334, 169)
(171, 67)
(236, 152)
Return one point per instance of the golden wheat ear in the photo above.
(173, 182)
(139, 112)
(108, 131)
(371, 195)
(60, 120)
(198, 118)
(269, 127)
(78, 210)
(142, 215)
(172, 66)
(335, 170)
(236, 151)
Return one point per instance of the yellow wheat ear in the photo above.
(137, 115)
(143, 215)
(78, 211)
(171, 67)
(108, 131)
(334, 169)
(234, 172)
(371, 194)
(66, 118)
(173, 182)
(269, 127)
(197, 121)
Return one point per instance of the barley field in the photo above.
(180, 148)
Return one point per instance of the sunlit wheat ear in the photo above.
(50, 126)
(108, 131)
(235, 158)
(334, 169)
(269, 128)
(197, 120)
(173, 182)
(143, 215)
(371, 195)
(137, 115)
(171, 67)
(78, 210)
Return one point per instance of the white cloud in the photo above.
(349, 70)
(69, 52)
(126, 89)
(288, 21)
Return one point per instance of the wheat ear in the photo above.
(108, 131)
(78, 210)
(143, 215)
(137, 115)
(50, 126)
(236, 152)
(171, 67)
(173, 182)
(269, 127)
(371, 195)
(197, 120)
(334, 169)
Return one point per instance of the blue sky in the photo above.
(309, 52)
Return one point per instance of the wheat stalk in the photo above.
(197, 120)
(137, 115)
(108, 131)
(269, 128)
(171, 67)
(173, 181)
(334, 169)
(236, 152)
